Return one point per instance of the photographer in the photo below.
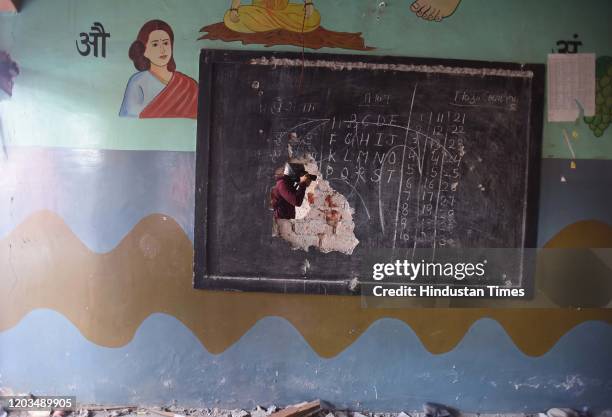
(288, 193)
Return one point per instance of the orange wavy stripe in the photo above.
(107, 296)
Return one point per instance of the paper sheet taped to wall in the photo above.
(571, 80)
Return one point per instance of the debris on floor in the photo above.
(437, 410)
(306, 409)
(299, 410)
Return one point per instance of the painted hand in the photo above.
(234, 16)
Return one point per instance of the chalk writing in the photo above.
(411, 154)
(283, 106)
(484, 98)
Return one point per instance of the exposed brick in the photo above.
(338, 201)
(321, 200)
(311, 227)
(311, 198)
(285, 227)
(344, 243)
(332, 217)
(302, 242)
(329, 201)
(315, 214)
(323, 186)
(324, 220)
(345, 227)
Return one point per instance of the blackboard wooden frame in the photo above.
(209, 58)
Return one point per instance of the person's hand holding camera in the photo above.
(305, 179)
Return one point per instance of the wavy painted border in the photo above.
(387, 368)
(107, 296)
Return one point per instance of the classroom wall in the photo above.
(96, 234)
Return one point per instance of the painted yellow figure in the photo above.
(267, 15)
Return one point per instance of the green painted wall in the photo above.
(63, 99)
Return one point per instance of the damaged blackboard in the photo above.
(407, 153)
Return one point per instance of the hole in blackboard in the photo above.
(308, 212)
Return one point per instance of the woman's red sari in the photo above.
(178, 100)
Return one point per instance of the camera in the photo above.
(299, 171)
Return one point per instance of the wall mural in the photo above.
(156, 258)
(158, 90)
(603, 97)
(112, 248)
(434, 10)
(279, 22)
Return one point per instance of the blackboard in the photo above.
(427, 152)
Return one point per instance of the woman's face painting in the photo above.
(159, 48)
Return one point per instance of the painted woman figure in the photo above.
(268, 15)
(158, 90)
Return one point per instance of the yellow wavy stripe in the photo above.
(583, 234)
(107, 296)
